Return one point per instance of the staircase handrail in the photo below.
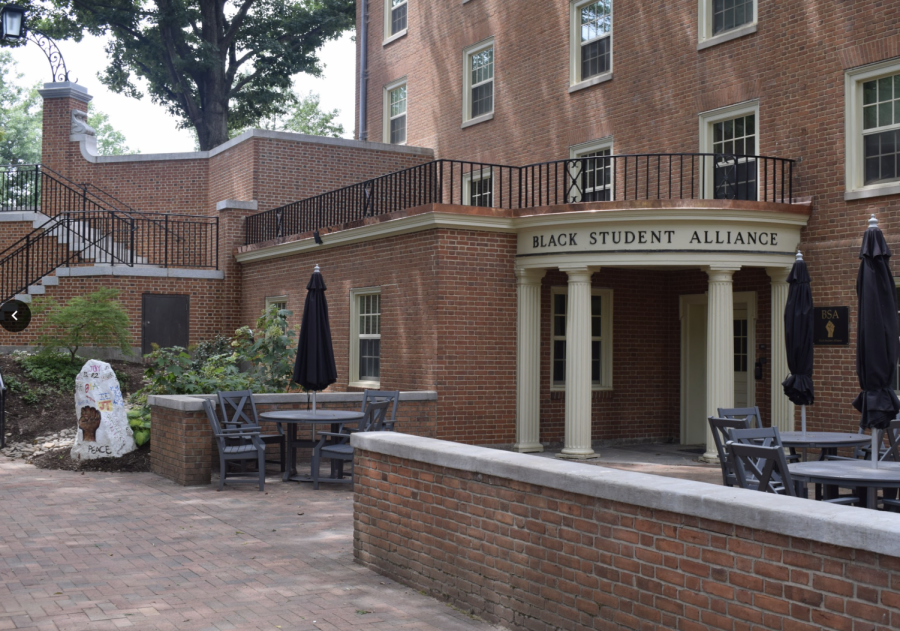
(2, 412)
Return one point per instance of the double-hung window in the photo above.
(365, 337)
(601, 338)
(478, 188)
(478, 83)
(591, 42)
(395, 103)
(394, 18)
(724, 20)
(591, 172)
(280, 302)
(872, 133)
(731, 135)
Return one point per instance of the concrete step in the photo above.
(46, 281)
(36, 289)
(23, 297)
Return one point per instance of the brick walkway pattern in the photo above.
(107, 551)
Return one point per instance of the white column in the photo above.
(782, 408)
(578, 364)
(528, 360)
(719, 349)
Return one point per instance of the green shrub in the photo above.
(139, 421)
(170, 371)
(38, 394)
(96, 319)
(50, 368)
(270, 349)
(200, 353)
(14, 385)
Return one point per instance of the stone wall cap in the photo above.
(65, 89)
(234, 204)
(194, 403)
(844, 526)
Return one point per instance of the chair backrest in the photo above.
(761, 468)
(764, 436)
(374, 420)
(213, 420)
(751, 414)
(376, 396)
(721, 431)
(893, 434)
(235, 410)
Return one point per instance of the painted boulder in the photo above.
(103, 430)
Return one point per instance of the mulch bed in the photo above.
(137, 461)
(56, 410)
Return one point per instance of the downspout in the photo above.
(363, 67)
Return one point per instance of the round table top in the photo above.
(308, 416)
(847, 472)
(823, 439)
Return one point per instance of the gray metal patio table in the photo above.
(834, 474)
(293, 418)
(828, 442)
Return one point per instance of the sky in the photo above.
(148, 128)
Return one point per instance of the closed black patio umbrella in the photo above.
(314, 368)
(876, 335)
(798, 338)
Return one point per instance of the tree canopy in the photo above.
(216, 65)
(304, 115)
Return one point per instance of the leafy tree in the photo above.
(217, 65)
(96, 319)
(305, 116)
(110, 141)
(270, 349)
(20, 116)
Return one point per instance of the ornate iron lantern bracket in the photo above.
(53, 54)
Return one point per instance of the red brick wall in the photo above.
(794, 65)
(532, 557)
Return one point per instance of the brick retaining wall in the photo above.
(183, 449)
(533, 543)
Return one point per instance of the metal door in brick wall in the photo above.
(165, 321)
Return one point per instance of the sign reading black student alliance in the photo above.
(832, 326)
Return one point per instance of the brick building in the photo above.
(599, 251)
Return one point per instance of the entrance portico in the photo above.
(719, 238)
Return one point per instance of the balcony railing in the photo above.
(658, 176)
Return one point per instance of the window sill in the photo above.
(879, 190)
(727, 36)
(394, 37)
(371, 385)
(600, 78)
(474, 121)
(593, 389)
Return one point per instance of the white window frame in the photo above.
(386, 104)
(271, 300)
(388, 36)
(606, 336)
(577, 151)
(707, 119)
(355, 294)
(467, 83)
(705, 26)
(854, 164)
(476, 176)
(575, 81)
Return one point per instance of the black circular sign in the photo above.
(15, 315)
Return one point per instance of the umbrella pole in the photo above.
(803, 418)
(874, 448)
(314, 401)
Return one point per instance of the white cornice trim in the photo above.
(247, 135)
(65, 90)
(656, 214)
(392, 228)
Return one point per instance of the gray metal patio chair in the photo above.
(752, 415)
(339, 447)
(235, 411)
(377, 396)
(761, 468)
(890, 500)
(769, 438)
(721, 431)
(237, 444)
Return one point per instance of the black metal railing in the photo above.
(68, 239)
(595, 178)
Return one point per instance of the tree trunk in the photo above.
(212, 128)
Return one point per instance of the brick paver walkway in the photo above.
(107, 551)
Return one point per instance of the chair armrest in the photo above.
(333, 434)
(243, 429)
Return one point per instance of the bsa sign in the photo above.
(832, 326)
